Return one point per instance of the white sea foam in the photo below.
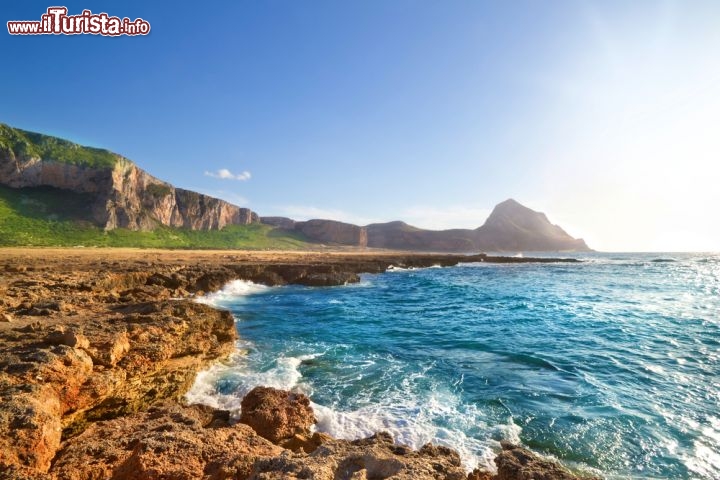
(284, 375)
(232, 290)
(394, 268)
(414, 422)
(204, 391)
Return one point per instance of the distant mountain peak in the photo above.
(513, 226)
(510, 227)
(516, 212)
(512, 207)
(510, 202)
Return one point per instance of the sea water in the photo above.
(611, 365)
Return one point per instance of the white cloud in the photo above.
(225, 174)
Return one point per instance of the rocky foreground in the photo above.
(99, 346)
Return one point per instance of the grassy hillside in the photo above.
(50, 217)
(46, 147)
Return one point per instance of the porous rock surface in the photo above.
(517, 463)
(376, 457)
(166, 441)
(57, 375)
(276, 414)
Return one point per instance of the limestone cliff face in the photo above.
(125, 196)
(330, 231)
(201, 212)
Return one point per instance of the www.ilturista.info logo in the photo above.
(57, 22)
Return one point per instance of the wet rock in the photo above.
(327, 279)
(277, 414)
(213, 280)
(517, 463)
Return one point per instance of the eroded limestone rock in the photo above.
(277, 415)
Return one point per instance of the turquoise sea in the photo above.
(611, 365)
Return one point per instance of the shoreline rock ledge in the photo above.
(172, 441)
(100, 347)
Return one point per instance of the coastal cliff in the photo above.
(99, 351)
(123, 195)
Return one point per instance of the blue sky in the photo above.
(602, 114)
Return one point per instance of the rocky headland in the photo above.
(99, 347)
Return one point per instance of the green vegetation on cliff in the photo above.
(31, 144)
(46, 216)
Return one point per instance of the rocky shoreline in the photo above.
(99, 347)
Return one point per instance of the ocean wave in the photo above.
(395, 268)
(231, 291)
(414, 425)
(224, 385)
(412, 417)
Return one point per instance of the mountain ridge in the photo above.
(121, 195)
(510, 227)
